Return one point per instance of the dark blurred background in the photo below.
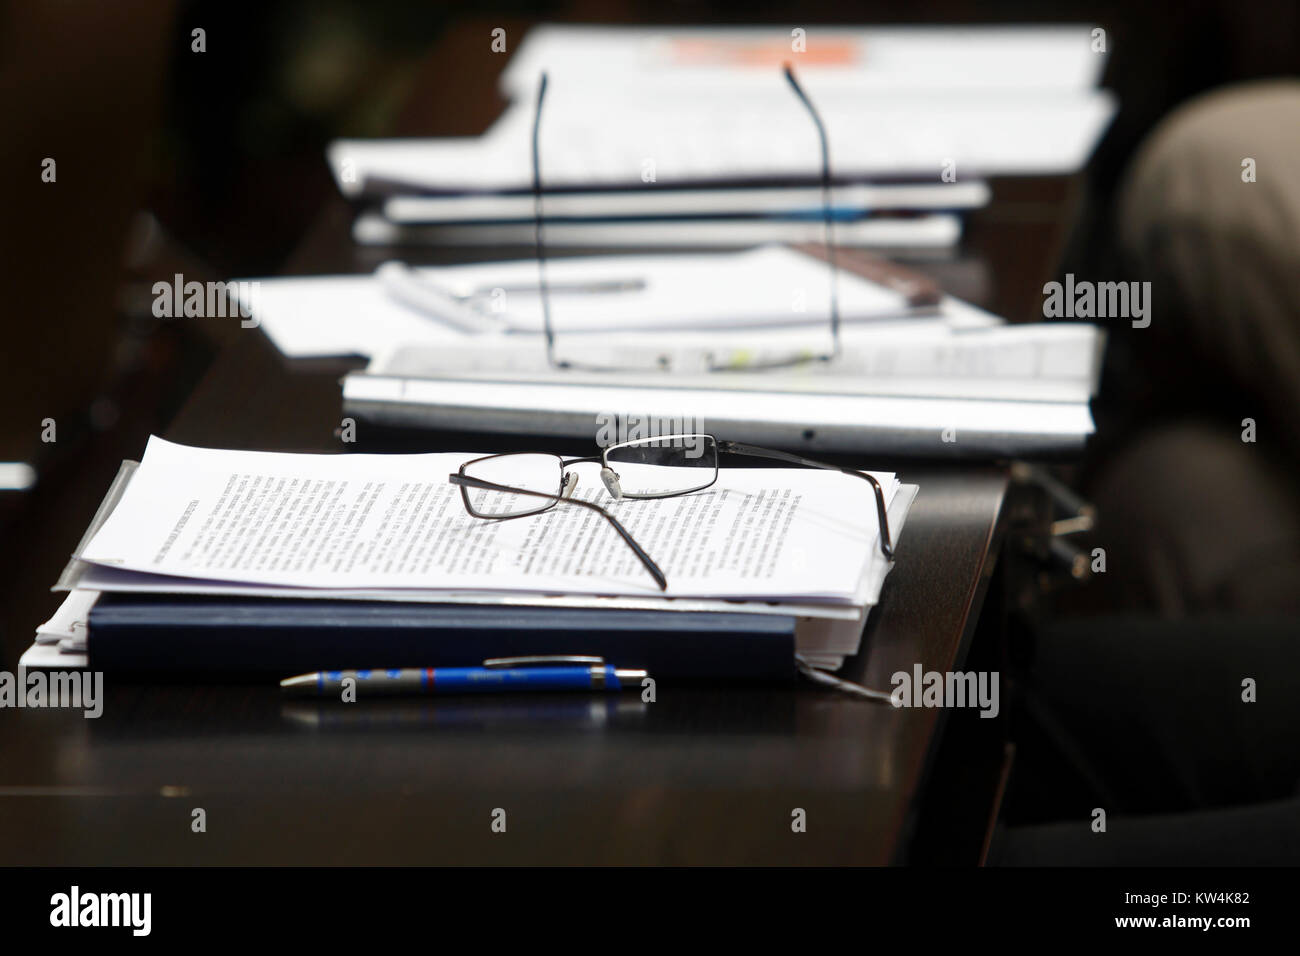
(225, 147)
(212, 164)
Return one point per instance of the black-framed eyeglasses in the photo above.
(519, 484)
(664, 361)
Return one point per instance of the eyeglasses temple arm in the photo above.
(655, 572)
(739, 448)
(626, 535)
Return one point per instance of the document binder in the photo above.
(207, 637)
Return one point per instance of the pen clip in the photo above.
(538, 661)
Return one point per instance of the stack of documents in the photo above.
(460, 348)
(694, 137)
(212, 562)
(496, 306)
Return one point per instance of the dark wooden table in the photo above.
(703, 775)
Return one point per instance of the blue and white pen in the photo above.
(496, 675)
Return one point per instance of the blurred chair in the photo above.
(1201, 519)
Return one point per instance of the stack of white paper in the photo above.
(486, 306)
(460, 347)
(694, 136)
(391, 527)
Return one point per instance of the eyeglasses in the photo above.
(520, 484)
(664, 362)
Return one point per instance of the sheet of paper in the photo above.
(395, 521)
(48, 657)
(313, 316)
(528, 402)
(768, 286)
(604, 204)
(711, 103)
(717, 139)
(69, 621)
(934, 231)
(117, 580)
(310, 316)
(990, 58)
(1055, 362)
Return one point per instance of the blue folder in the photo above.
(226, 638)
